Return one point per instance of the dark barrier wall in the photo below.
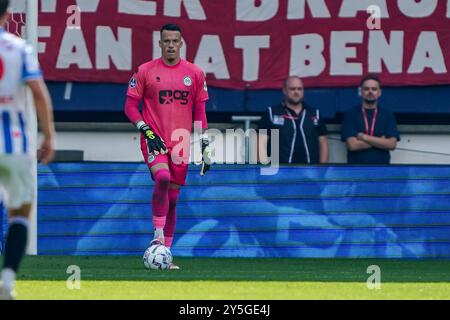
(84, 98)
(3, 226)
(336, 211)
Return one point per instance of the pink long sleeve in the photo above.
(132, 109)
(200, 114)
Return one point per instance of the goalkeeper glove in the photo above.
(155, 144)
(206, 156)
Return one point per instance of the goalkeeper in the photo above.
(174, 94)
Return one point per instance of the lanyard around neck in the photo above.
(366, 121)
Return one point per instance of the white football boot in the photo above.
(7, 294)
(158, 238)
(173, 266)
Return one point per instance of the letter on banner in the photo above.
(137, 7)
(194, 9)
(350, 8)
(414, 9)
(73, 50)
(211, 58)
(307, 58)
(428, 54)
(246, 10)
(88, 5)
(119, 50)
(380, 50)
(251, 46)
(296, 9)
(340, 53)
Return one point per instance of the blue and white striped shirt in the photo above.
(17, 66)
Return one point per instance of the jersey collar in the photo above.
(284, 105)
(167, 66)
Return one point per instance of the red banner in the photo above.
(252, 43)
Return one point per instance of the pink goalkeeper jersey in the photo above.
(169, 94)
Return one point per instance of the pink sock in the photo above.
(160, 198)
(171, 220)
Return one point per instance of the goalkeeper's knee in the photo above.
(162, 178)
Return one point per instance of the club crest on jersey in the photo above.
(133, 83)
(151, 158)
(187, 81)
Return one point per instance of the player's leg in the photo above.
(16, 243)
(171, 220)
(17, 178)
(178, 178)
(160, 199)
(159, 169)
(169, 229)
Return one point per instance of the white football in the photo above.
(157, 257)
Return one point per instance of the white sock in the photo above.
(8, 278)
(20, 220)
(159, 233)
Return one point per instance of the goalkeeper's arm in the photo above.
(206, 155)
(155, 144)
(201, 123)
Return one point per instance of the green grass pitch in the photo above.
(123, 278)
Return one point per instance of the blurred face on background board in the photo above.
(170, 45)
(293, 91)
(370, 91)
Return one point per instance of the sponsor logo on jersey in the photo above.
(6, 99)
(205, 87)
(187, 81)
(169, 96)
(133, 83)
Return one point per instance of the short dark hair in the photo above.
(370, 77)
(170, 27)
(285, 82)
(4, 5)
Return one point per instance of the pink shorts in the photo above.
(178, 172)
